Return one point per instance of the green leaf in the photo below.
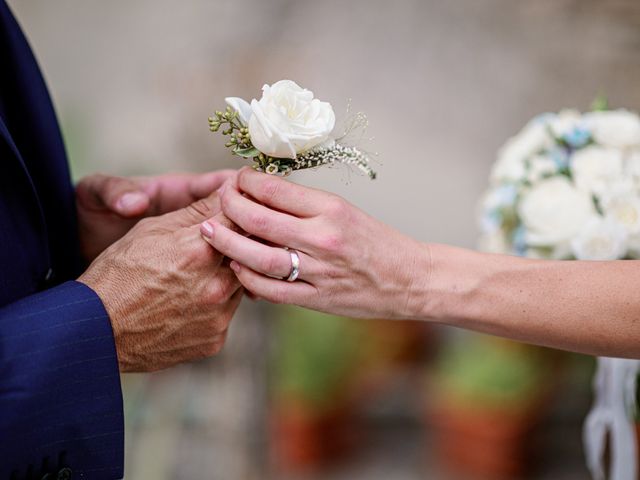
(248, 152)
(600, 103)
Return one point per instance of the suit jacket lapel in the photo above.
(4, 133)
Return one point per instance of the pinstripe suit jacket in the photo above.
(60, 399)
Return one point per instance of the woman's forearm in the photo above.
(589, 307)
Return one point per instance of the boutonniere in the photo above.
(289, 129)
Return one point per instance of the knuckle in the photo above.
(259, 224)
(225, 200)
(269, 189)
(112, 183)
(200, 208)
(337, 207)
(220, 292)
(196, 252)
(242, 175)
(331, 242)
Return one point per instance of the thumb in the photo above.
(123, 196)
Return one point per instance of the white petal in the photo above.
(242, 107)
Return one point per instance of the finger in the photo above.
(275, 291)
(222, 286)
(203, 185)
(260, 221)
(195, 213)
(123, 196)
(190, 247)
(275, 262)
(251, 296)
(281, 194)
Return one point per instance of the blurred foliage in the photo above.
(487, 372)
(315, 356)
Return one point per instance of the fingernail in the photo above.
(206, 229)
(129, 201)
(235, 266)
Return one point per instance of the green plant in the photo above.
(315, 356)
(482, 372)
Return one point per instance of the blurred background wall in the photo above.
(443, 83)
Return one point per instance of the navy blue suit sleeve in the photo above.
(60, 394)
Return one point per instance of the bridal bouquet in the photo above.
(567, 186)
(288, 129)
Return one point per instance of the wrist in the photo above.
(454, 280)
(98, 278)
(413, 290)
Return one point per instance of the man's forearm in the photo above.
(589, 307)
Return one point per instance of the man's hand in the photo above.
(109, 206)
(169, 295)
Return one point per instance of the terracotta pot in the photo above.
(303, 439)
(401, 343)
(486, 444)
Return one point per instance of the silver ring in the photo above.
(295, 266)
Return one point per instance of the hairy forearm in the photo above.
(589, 307)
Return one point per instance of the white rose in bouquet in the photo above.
(632, 168)
(614, 128)
(511, 166)
(600, 239)
(554, 211)
(540, 167)
(565, 122)
(623, 209)
(595, 169)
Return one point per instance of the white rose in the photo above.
(595, 168)
(632, 167)
(287, 120)
(553, 212)
(541, 166)
(600, 239)
(624, 209)
(510, 166)
(565, 122)
(242, 107)
(614, 128)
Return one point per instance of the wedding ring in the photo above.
(295, 266)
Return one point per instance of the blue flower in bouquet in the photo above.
(577, 137)
(561, 157)
(519, 240)
(506, 194)
(491, 221)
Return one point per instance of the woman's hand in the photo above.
(350, 263)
